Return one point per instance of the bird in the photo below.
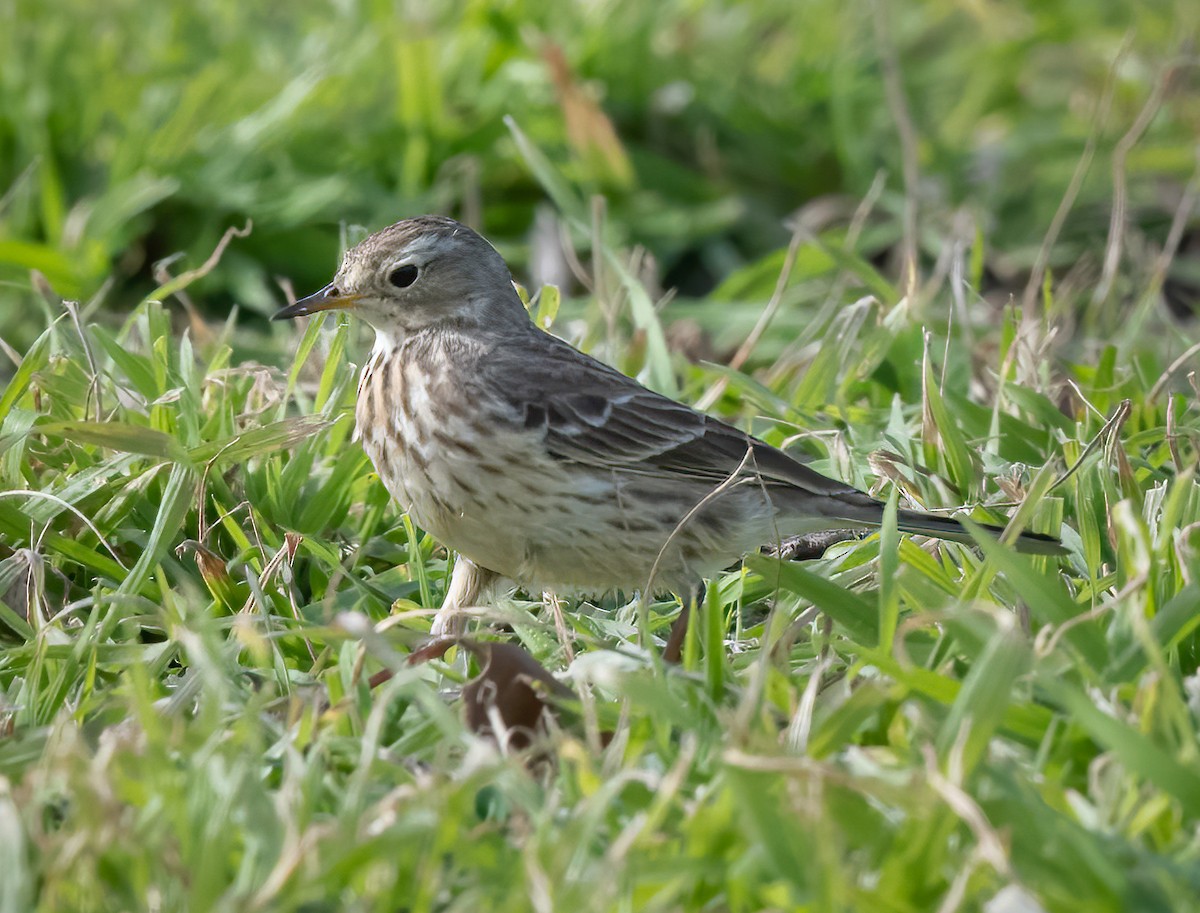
(544, 468)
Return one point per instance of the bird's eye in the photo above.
(403, 276)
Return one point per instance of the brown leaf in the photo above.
(512, 689)
(214, 572)
(589, 130)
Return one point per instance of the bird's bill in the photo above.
(327, 299)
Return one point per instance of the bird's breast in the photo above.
(461, 474)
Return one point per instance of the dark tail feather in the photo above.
(911, 521)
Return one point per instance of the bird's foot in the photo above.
(812, 545)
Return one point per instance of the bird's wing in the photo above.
(597, 416)
(592, 414)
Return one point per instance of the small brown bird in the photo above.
(542, 466)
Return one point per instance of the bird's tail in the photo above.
(912, 521)
(851, 508)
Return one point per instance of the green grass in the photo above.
(200, 574)
(133, 131)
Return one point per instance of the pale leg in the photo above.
(469, 586)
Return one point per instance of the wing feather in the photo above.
(597, 416)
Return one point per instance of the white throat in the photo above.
(388, 340)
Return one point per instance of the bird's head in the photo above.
(417, 274)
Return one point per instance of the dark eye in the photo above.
(403, 276)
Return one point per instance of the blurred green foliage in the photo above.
(133, 131)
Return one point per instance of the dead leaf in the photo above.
(512, 689)
(589, 131)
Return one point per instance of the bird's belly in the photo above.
(640, 537)
(596, 531)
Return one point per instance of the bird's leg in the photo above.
(813, 545)
(469, 584)
(673, 651)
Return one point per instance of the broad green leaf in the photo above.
(177, 498)
(260, 441)
(1044, 594)
(1160, 768)
(985, 697)
(120, 436)
(953, 450)
(33, 361)
(855, 614)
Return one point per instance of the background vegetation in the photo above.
(947, 250)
